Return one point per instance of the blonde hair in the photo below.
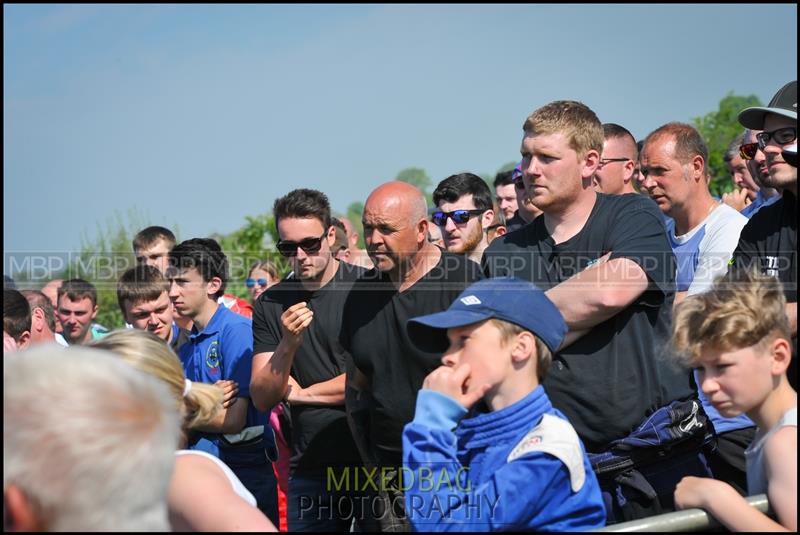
(509, 331)
(741, 310)
(574, 119)
(148, 353)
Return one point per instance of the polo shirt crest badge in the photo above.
(212, 356)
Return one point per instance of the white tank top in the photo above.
(754, 455)
(237, 485)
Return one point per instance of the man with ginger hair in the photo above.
(605, 261)
(411, 277)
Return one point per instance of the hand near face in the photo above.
(294, 321)
(230, 390)
(736, 199)
(454, 382)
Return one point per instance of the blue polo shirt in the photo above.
(223, 350)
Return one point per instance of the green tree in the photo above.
(419, 178)
(103, 260)
(718, 129)
(252, 242)
(507, 167)
(354, 212)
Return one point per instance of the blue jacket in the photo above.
(519, 468)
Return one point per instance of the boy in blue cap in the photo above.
(513, 462)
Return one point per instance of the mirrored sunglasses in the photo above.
(748, 150)
(458, 216)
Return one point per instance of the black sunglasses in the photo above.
(604, 161)
(782, 136)
(309, 246)
(458, 216)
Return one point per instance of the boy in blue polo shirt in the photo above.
(512, 462)
(220, 347)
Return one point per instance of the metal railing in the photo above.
(688, 520)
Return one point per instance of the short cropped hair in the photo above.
(149, 236)
(140, 283)
(733, 148)
(206, 256)
(37, 299)
(503, 178)
(574, 119)
(148, 353)
(303, 203)
(743, 308)
(100, 457)
(454, 187)
(509, 331)
(615, 131)
(688, 142)
(16, 313)
(77, 289)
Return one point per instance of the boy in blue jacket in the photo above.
(486, 449)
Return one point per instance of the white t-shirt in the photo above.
(703, 253)
(237, 485)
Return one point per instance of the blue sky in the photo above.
(195, 116)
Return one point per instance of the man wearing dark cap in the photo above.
(769, 240)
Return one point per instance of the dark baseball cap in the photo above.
(783, 103)
(505, 298)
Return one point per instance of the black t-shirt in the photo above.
(374, 330)
(610, 379)
(320, 434)
(769, 240)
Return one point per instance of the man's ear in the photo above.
(330, 236)
(94, 311)
(590, 162)
(213, 286)
(24, 340)
(486, 219)
(38, 320)
(19, 513)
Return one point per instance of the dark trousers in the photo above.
(252, 464)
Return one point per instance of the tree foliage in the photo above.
(419, 178)
(104, 260)
(252, 242)
(718, 129)
(354, 212)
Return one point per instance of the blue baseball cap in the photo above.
(505, 298)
